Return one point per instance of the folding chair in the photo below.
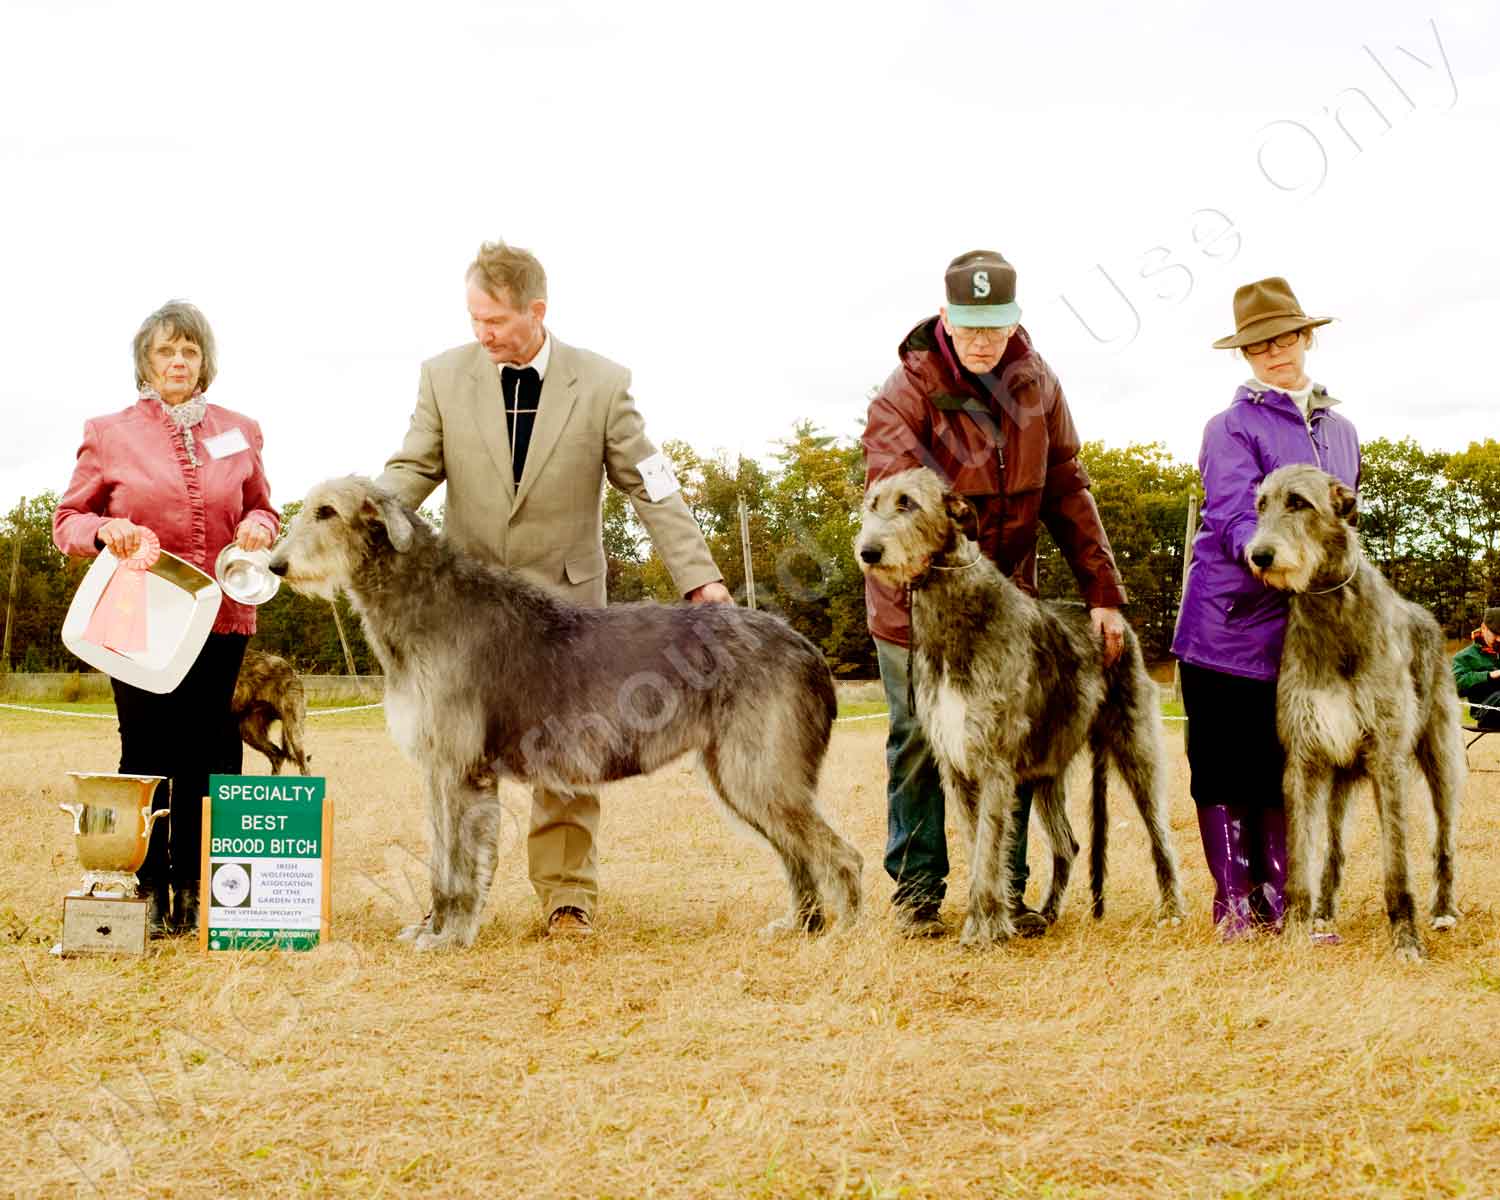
(1477, 731)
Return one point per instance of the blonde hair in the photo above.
(508, 274)
(177, 319)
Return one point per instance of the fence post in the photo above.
(10, 596)
(745, 550)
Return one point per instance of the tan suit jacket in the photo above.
(548, 526)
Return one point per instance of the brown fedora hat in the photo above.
(1264, 309)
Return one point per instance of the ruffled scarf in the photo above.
(184, 416)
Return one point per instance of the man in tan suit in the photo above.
(525, 430)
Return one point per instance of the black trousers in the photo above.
(1488, 716)
(187, 735)
(1234, 756)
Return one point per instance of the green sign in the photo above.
(268, 859)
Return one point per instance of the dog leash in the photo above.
(911, 649)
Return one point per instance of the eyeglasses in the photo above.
(989, 333)
(1283, 340)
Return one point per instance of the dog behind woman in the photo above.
(1364, 688)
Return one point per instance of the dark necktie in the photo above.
(522, 387)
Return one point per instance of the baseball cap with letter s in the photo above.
(982, 291)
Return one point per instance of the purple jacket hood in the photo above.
(1229, 621)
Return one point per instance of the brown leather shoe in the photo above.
(568, 921)
(918, 921)
(1028, 922)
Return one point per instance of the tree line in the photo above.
(1429, 519)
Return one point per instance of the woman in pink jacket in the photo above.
(175, 469)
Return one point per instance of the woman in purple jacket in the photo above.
(175, 472)
(1230, 627)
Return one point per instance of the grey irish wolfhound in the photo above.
(1364, 685)
(1008, 690)
(269, 690)
(488, 676)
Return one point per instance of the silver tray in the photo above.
(181, 605)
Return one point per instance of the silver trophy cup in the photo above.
(112, 822)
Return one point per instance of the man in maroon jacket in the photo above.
(974, 402)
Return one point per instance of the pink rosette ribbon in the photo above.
(118, 621)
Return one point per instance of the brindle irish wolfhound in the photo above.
(487, 675)
(1364, 685)
(270, 690)
(1009, 689)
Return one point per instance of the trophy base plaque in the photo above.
(112, 822)
(103, 925)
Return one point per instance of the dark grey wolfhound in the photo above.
(1364, 686)
(269, 690)
(1008, 690)
(488, 676)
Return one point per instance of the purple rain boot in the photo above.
(1222, 828)
(1269, 896)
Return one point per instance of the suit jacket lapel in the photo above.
(487, 404)
(559, 394)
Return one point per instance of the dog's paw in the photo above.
(446, 940)
(791, 925)
(1323, 933)
(981, 932)
(1445, 922)
(1408, 942)
(411, 933)
(1169, 920)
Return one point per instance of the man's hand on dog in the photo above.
(1109, 625)
(711, 593)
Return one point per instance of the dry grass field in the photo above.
(676, 1054)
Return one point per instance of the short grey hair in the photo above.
(176, 318)
(508, 273)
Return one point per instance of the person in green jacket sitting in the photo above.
(1476, 671)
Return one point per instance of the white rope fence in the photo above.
(59, 712)
(328, 712)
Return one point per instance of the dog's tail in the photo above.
(1098, 829)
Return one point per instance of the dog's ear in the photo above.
(386, 513)
(961, 513)
(1345, 502)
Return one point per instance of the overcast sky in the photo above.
(749, 207)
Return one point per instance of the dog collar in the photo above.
(1335, 587)
(972, 562)
(921, 580)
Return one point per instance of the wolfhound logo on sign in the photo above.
(267, 842)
